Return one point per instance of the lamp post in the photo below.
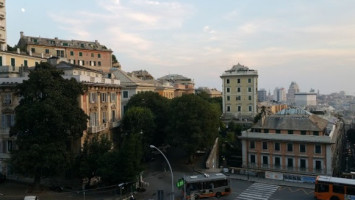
(171, 171)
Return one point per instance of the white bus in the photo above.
(206, 185)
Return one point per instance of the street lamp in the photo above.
(171, 171)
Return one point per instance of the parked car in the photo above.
(31, 198)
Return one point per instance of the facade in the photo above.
(3, 39)
(92, 55)
(182, 84)
(292, 141)
(13, 60)
(280, 95)
(262, 95)
(305, 99)
(240, 86)
(292, 90)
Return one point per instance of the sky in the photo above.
(309, 42)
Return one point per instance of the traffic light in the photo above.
(180, 183)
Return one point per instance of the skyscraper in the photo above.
(293, 89)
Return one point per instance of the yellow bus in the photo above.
(334, 188)
(206, 185)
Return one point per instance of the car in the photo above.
(31, 198)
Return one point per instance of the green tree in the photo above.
(159, 106)
(93, 150)
(194, 123)
(48, 119)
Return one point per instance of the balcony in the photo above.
(115, 124)
(96, 129)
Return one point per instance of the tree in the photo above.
(48, 119)
(193, 124)
(93, 150)
(159, 106)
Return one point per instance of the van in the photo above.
(31, 198)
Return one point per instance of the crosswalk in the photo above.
(258, 191)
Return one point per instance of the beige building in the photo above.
(3, 40)
(92, 55)
(211, 92)
(240, 86)
(293, 141)
(14, 60)
(182, 84)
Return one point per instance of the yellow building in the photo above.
(240, 86)
(14, 60)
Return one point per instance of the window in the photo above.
(25, 63)
(72, 53)
(289, 147)
(228, 90)
(302, 148)
(265, 160)
(60, 53)
(252, 159)
(47, 51)
(93, 119)
(104, 117)
(0, 60)
(238, 98)
(290, 162)
(249, 98)
(250, 108)
(277, 146)
(83, 62)
(93, 97)
(266, 130)
(9, 145)
(318, 148)
(227, 81)
(323, 187)
(99, 55)
(82, 45)
(278, 131)
(239, 108)
(265, 145)
(103, 97)
(99, 63)
(33, 50)
(92, 54)
(315, 132)
(238, 80)
(338, 189)
(249, 80)
(7, 120)
(7, 99)
(277, 162)
(249, 89)
(228, 108)
(113, 97)
(125, 94)
(113, 115)
(13, 63)
(238, 89)
(65, 44)
(80, 53)
(228, 98)
(252, 144)
(303, 163)
(303, 132)
(318, 165)
(290, 132)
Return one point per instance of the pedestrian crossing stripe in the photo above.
(258, 191)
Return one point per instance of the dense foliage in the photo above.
(48, 119)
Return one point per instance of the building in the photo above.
(182, 84)
(305, 99)
(292, 90)
(271, 107)
(210, 92)
(101, 103)
(3, 39)
(14, 60)
(240, 86)
(131, 85)
(280, 95)
(83, 53)
(262, 95)
(292, 142)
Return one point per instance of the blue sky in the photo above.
(309, 42)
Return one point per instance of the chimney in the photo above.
(18, 50)
(21, 34)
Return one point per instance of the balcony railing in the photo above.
(96, 129)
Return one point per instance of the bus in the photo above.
(334, 188)
(206, 185)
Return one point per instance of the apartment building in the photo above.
(293, 141)
(13, 60)
(3, 39)
(92, 55)
(240, 86)
(182, 84)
